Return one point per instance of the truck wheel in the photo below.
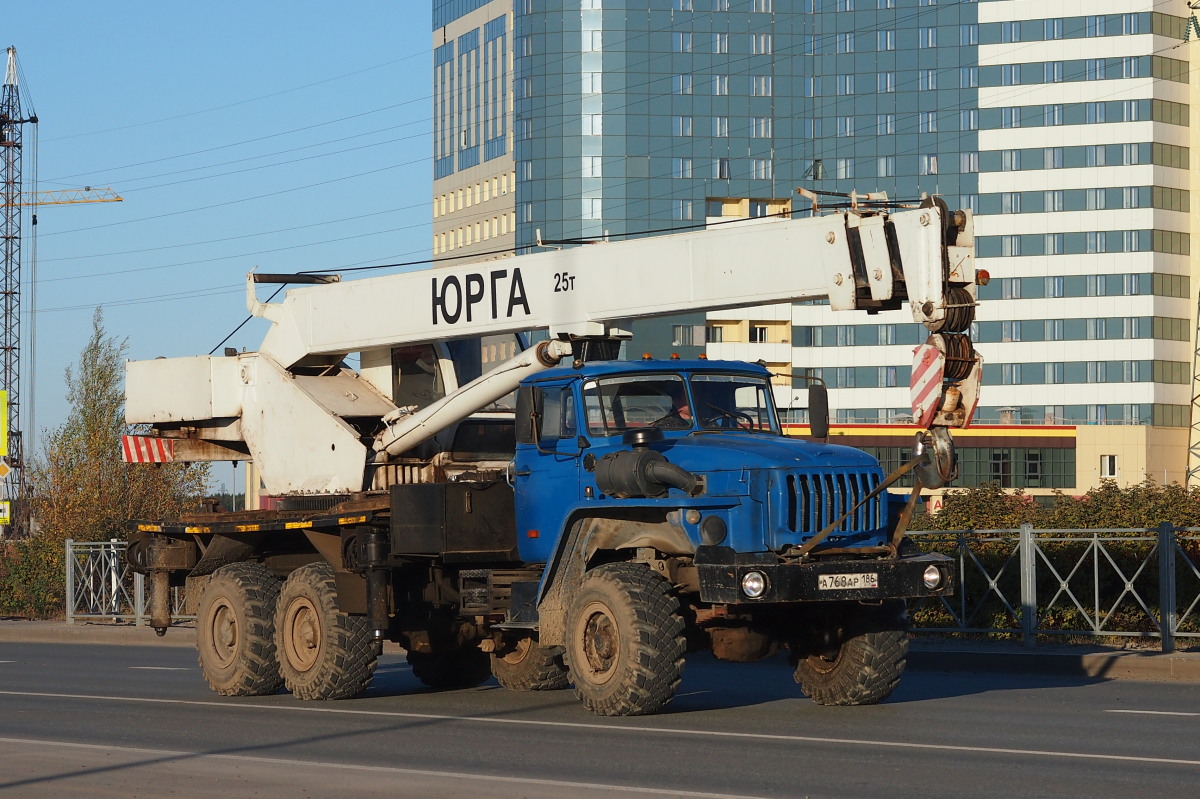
(859, 658)
(446, 671)
(235, 631)
(323, 653)
(625, 641)
(531, 667)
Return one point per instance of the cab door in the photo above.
(546, 472)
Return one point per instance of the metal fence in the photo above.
(1023, 583)
(1123, 583)
(100, 585)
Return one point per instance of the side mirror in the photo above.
(818, 411)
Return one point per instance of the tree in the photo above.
(79, 488)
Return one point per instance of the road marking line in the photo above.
(412, 772)
(759, 736)
(1154, 712)
(160, 668)
(8, 661)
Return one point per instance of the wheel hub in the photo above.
(302, 635)
(224, 634)
(600, 644)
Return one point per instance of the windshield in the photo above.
(668, 402)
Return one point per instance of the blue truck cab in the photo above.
(688, 457)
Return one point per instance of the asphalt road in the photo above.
(99, 721)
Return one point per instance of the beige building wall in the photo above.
(473, 208)
(1129, 454)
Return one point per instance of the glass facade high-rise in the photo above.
(1066, 128)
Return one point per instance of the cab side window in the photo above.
(558, 416)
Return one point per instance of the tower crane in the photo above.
(13, 199)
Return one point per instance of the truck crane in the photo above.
(548, 514)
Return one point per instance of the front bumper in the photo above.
(720, 571)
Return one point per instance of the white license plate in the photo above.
(847, 582)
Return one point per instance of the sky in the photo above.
(285, 136)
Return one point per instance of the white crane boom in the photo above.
(312, 425)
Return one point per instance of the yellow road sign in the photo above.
(4, 425)
(5, 512)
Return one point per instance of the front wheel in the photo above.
(323, 653)
(528, 666)
(625, 641)
(855, 656)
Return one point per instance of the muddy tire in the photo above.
(235, 631)
(531, 667)
(625, 641)
(447, 671)
(323, 653)
(858, 656)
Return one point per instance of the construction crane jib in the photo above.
(859, 259)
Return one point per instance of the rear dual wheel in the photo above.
(235, 631)
(323, 653)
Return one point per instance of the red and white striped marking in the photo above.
(929, 367)
(146, 449)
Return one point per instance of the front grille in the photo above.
(816, 500)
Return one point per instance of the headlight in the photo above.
(932, 577)
(754, 584)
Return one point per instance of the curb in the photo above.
(1100, 664)
(923, 655)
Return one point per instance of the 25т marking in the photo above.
(564, 281)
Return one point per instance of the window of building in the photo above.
(968, 77)
(1010, 117)
(682, 126)
(887, 166)
(1052, 72)
(593, 208)
(762, 6)
(720, 85)
(1052, 29)
(681, 84)
(843, 43)
(682, 209)
(683, 5)
(1094, 25)
(1052, 114)
(845, 126)
(761, 169)
(926, 37)
(1010, 202)
(720, 127)
(758, 334)
(682, 168)
(593, 124)
(968, 35)
(885, 40)
(1108, 467)
(927, 164)
(926, 80)
(720, 42)
(1010, 32)
(1010, 74)
(968, 162)
(760, 127)
(721, 168)
(885, 124)
(592, 166)
(1052, 158)
(1053, 200)
(845, 84)
(843, 168)
(683, 41)
(592, 83)
(714, 334)
(593, 41)
(761, 86)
